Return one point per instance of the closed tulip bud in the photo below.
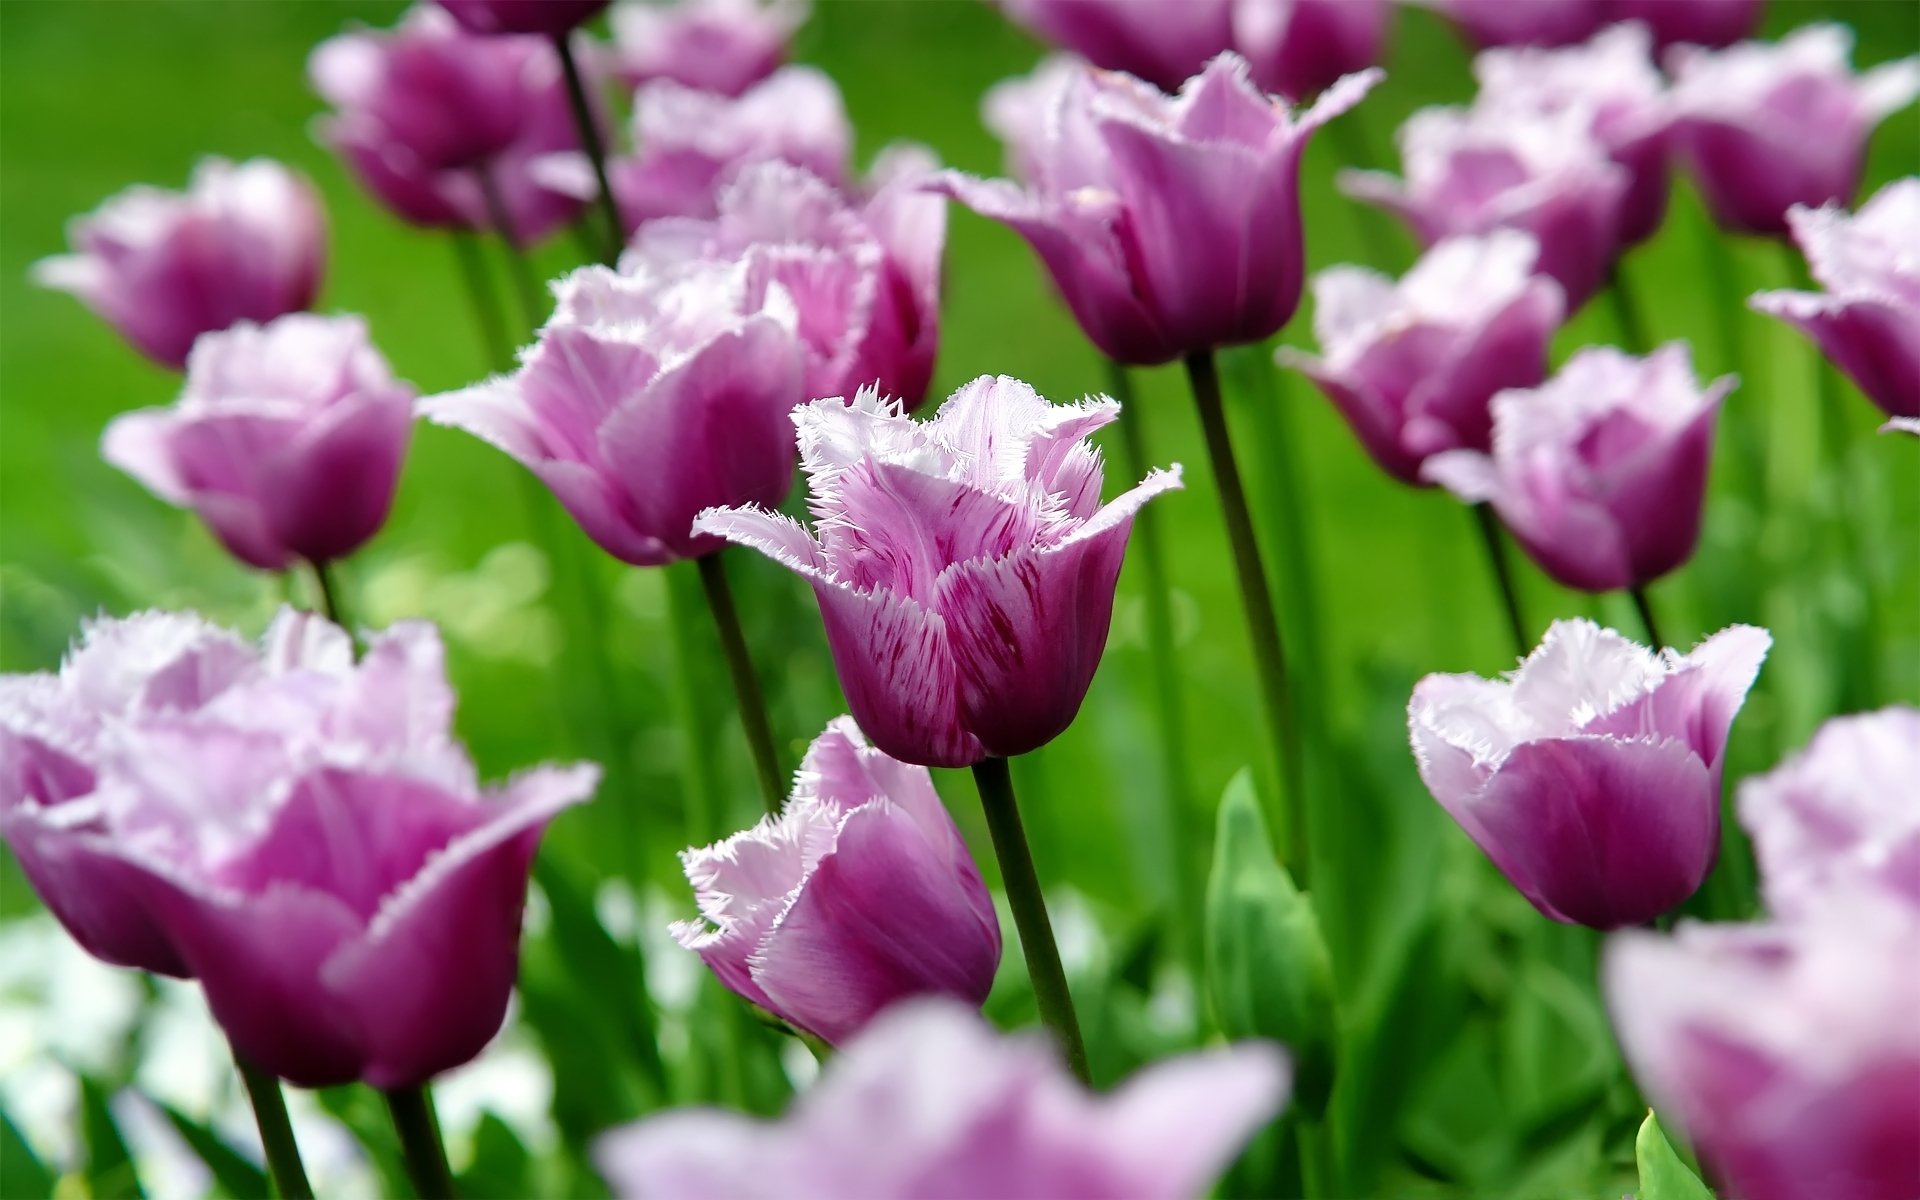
(286, 441)
(1526, 22)
(858, 894)
(1839, 814)
(1591, 776)
(1299, 48)
(549, 18)
(930, 1101)
(1787, 1053)
(723, 46)
(1601, 472)
(1413, 366)
(1694, 22)
(1867, 322)
(1763, 126)
(647, 399)
(965, 565)
(244, 242)
(1160, 41)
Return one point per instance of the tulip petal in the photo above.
(1240, 1088)
(897, 670)
(1697, 701)
(687, 1152)
(334, 484)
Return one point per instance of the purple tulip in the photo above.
(1601, 472)
(1764, 126)
(1788, 1053)
(1612, 82)
(549, 18)
(286, 441)
(1161, 41)
(1299, 48)
(647, 399)
(863, 836)
(1171, 224)
(865, 278)
(1840, 813)
(244, 242)
(1471, 171)
(965, 566)
(1868, 320)
(929, 1101)
(1413, 365)
(1526, 22)
(1696, 22)
(723, 46)
(1590, 776)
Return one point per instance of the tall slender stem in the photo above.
(1644, 606)
(330, 605)
(276, 1131)
(1256, 601)
(1490, 537)
(1049, 978)
(526, 284)
(746, 685)
(1626, 313)
(420, 1147)
(595, 148)
(486, 306)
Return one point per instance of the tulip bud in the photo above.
(550, 18)
(723, 46)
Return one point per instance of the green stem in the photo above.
(526, 283)
(486, 306)
(1626, 313)
(420, 1146)
(746, 685)
(1256, 601)
(595, 148)
(1029, 907)
(1315, 1145)
(1490, 536)
(276, 1131)
(330, 605)
(1644, 606)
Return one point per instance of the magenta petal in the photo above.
(1238, 1088)
(333, 491)
(685, 1153)
(1876, 343)
(1696, 704)
(898, 674)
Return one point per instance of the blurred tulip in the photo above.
(1601, 472)
(1788, 1053)
(549, 18)
(1696, 22)
(1413, 365)
(1591, 776)
(1471, 171)
(647, 399)
(723, 46)
(1160, 41)
(286, 441)
(858, 894)
(965, 565)
(1902, 425)
(930, 1101)
(1299, 48)
(244, 242)
(1526, 22)
(865, 278)
(1840, 814)
(1764, 126)
(1171, 224)
(1867, 322)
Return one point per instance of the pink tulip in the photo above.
(244, 242)
(1697, 22)
(647, 399)
(929, 1101)
(287, 440)
(1764, 126)
(1171, 224)
(1868, 320)
(1299, 48)
(1414, 365)
(1160, 41)
(1591, 776)
(863, 836)
(1601, 472)
(965, 565)
(723, 46)
(1526, 22)
(549, 18)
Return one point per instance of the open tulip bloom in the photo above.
(1590, 776)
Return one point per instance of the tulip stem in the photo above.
(526, 284)
(1029, 907)
(486, 306)
(330, 606)
(1644, 606)
(746, 685)
(1256, 600)
(1490, 536)
(276, 1131)
(591, 143)
(1626, 313)
(420, 1147)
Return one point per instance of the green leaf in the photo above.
(1267, 965)
(237, 1175)
(110, 1172)
(1662, 1175)
(21, 1172)
(501, 1167)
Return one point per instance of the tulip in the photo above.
(1902, 425)
(1591, 776)
(859, 893)
(1413, 365)
(244, 242)
(1471, 171)
(929, 1101)
(286, 441)
(1299, 48)
(1171, 224)
(1787, 1053)
(1526, 22)
(1868, 320)
(964, 566)
(1839, 814)
(1765, 126)
(647, 399)
(549, 18)
(1696, 22)
(723, 46)
(1160, 41)
(864, 276)
(1601, 472)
